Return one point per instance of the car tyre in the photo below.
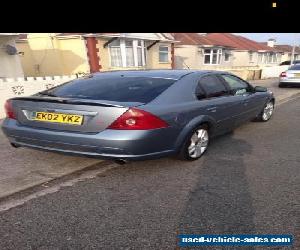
(267, 112)
(196, 144)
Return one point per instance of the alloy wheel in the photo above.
(268, 111)
(199, 143)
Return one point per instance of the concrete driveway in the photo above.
(23, 168)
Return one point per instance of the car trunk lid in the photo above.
(96, 115)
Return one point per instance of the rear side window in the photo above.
(212, 86)
(117, 88)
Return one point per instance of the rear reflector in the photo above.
(283, 74)
(9, 110)
(136, 119)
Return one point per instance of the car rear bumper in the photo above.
(108, 144)
(290, 81)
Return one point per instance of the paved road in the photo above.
(248, 182)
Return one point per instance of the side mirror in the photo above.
(260, 89)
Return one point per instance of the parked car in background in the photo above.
(130, 115)
(291, 77)
(289, 62)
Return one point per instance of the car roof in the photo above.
(163, 73)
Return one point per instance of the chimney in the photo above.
(271, 42)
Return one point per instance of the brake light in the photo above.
(136, 119)
(9, 110)
(283, 74)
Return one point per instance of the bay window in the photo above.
(260, 57)
(115, 54)
(212, 56)
(127, 53)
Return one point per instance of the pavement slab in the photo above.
(22, 168)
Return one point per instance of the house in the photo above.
(222, 51)
(10, 65)
(71, 53)
(285, 49)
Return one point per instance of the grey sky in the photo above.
(281, 38)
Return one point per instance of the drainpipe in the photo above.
(172, 56)
(92, 53)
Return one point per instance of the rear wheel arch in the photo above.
(195, 145)
(191, 126)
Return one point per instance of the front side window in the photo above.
(236, 85)
(212, 86)
(163, 54)
(127, 53)
(212, 56)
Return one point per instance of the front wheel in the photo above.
(196, 144)
(267, 112)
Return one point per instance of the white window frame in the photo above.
(165, 52)
(219, 56)
(135, 54)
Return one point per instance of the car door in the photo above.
(250, 103)
(216, 102)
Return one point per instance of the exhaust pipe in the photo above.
(120, 161)
(14, 145)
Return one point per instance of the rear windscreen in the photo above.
(120, 89)
(295, 67)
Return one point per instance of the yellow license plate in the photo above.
(296, 75)
(58, 118)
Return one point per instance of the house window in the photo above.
(260, 57)
(127, 53)
(226, 56)
(115, 54)
(212, 56)
(251, 56)
(163, 54)
(278, 57)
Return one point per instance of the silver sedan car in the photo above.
(291, 77)
(131, 115)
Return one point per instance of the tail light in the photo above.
(283, 74)
(9, 110)
(136, 119)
